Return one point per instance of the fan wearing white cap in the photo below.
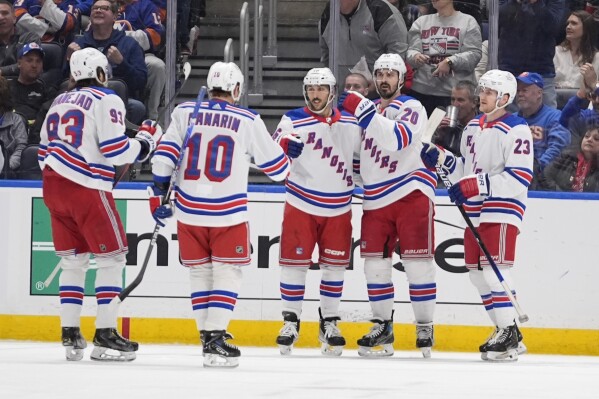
(491, 181)
(82, 138)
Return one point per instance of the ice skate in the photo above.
(217, 351)
(109, 345)
(521, 347)
(289, 333)
(425, 338)
(379, 340)
(330, 336)
(73, 342)
(503, 347)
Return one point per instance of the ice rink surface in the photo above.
(38, 370)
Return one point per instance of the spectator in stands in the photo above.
(356, 82)
(54, 21)
(577, 114)
(366, 28)
(13, 133)
(140, 19)
(577, 49)
(445, 47)
(576, 169)
(30, 96)
(188, 23)
(548, 135)
(464, 98)
(125, 55)
(11, 42)
(527, 31)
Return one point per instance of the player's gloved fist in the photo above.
(149, 134)
(342, 98)
(429, 155)
(468, 187)
(292, 145)
(358, 105)
(159, 210)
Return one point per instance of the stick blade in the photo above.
(186, 70)
(433, 123)
(523, 318)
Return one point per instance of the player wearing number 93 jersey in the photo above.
(82, 137)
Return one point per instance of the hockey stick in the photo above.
(125, 293)
(50, 278)
(133, 126)
(522, 317)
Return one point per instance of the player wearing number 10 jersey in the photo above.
(211, 200)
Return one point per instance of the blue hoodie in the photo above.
(133, 69)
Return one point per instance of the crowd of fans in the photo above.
(549, 45)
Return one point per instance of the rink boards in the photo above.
(555, 275)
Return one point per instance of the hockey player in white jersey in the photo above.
(399, 193)
(491, 182)
(318, 207)
(82, 137)
(211, 200)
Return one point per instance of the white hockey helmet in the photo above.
(502, 82)
(392, 62)
(225, 76)
(87, 64)
(320, 77)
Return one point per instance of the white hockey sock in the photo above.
(109, 282)
(331, 288)
(502, 306)
(480, 283)
(423, 289)
(200, 281)
(223, 296)
(293, 287)
(380, 287)
(71, 283)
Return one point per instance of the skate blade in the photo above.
(73, 354)
(426, 352)
(212, 360)
(111, 355)
(521, 348)
(285, 350)
(509, 356)
(376, 351)
(484, 356)
(328, 350)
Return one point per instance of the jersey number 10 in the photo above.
(217, 162)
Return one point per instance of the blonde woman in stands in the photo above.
(577, 49)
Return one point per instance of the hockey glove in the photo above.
(432, 154)
(359, 106)
(468, 187)
(159, 210)
(292, 145)
(148, 135)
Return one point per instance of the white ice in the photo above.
(38, 370)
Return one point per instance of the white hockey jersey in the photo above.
(390, 164)
(502, 149)
(321, 180)
(83, 136)
(211, 186)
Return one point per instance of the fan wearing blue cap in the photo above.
(549, 137)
